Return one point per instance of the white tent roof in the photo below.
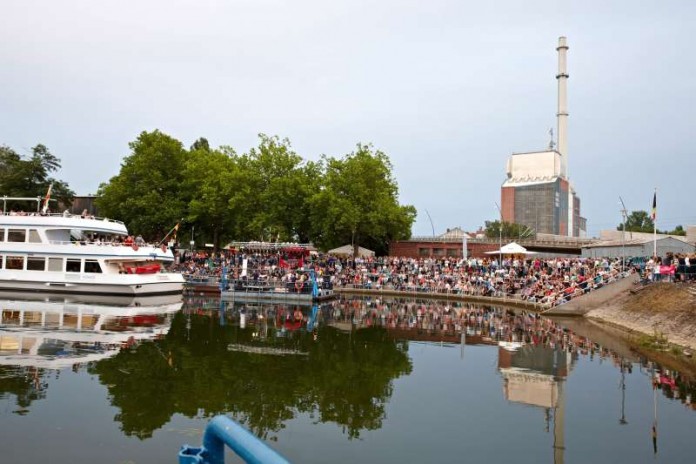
(348, 251)
(511, 249)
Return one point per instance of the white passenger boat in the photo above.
(62, 253)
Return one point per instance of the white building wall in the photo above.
(537, 165)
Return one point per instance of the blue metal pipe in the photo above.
(223, 431)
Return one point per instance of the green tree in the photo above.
(638, 221)
(32, 177)
(510, 230)
(215, 206)
(200, 144)
(678, 230)
(281, 184)
(148, 193)
(358, 203)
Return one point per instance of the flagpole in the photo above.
(654, 212)
(170, 231)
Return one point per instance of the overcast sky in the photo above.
(448, 89)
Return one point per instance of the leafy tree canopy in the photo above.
(510, 230)
(270, 193)
(281, 184)
(357, 202)
(638, 221)
(149, 192)
(31, 177)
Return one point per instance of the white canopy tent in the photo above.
(347, 250)
(511, 249)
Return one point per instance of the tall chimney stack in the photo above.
(562, 114)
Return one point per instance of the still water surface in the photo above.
(351, 381)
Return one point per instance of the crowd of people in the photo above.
(547, 281)
(672, 267)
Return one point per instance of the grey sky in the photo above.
(448, 89)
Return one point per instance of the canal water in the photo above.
(357, 380)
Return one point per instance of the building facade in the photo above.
(537, 192)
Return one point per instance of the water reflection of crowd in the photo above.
(547, 281)
(447, 321)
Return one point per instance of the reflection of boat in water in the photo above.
(104, 300)
(57, 334)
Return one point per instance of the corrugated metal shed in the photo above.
(636, 247)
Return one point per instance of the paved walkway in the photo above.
(586, 303)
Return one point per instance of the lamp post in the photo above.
(500, 237)
(623, 236)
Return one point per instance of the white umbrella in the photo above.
(511, 249)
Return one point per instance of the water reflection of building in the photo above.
(535, 375)
(531, 374)
(58, 334)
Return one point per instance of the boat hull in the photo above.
(116, 285)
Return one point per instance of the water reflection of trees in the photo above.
(342, 377)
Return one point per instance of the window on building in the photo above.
(55, 264)
(92, 266)
(453, 252)
(423, 252)
(72, 265)
(438, 252)
(17, 235)
(36, 264)
(14, 262)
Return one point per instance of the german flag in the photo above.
(653, 215)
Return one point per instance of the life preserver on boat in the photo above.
(144, 269)
(299, 284)
(135, 247)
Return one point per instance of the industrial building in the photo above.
(641, 246)
(537, 192)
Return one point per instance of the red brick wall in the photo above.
(411, 249)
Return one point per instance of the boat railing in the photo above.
(62, 215)
(275, 284)
(97, 243)
(201, 279)
(223, 431)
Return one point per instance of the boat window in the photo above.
(34, 236)
(73, 265)
(92, 266)
(2, 235)
(55, 264)
(16, 235)
(36, 264)
(14, 262)
(2, 262)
